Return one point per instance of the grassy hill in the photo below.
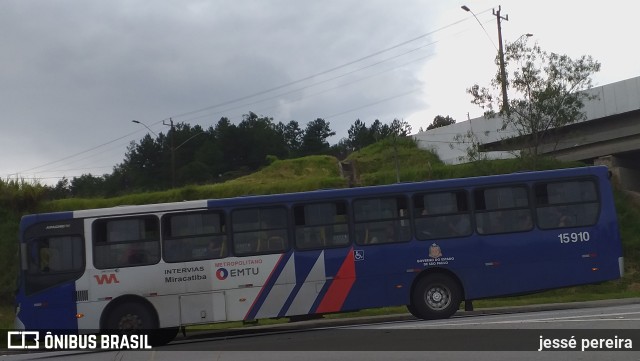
(293, 175)
(376, 164)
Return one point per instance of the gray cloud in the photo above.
(74, 73)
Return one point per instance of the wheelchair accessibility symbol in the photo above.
(358, 255)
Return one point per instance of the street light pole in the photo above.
(144, 125)
(503, 71)
(173, 148)
(173, 152)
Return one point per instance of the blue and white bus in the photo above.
(428, 245)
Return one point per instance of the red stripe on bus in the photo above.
(340, 286)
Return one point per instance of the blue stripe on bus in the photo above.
(304, 263)
(320, 297)
(268, 286)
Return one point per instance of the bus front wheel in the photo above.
(435, 296)
(131, 316)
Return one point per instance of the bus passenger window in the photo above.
(193, 236)
(321, 225)
(387, 236)
(566, 204)
(502, 210)
(259, 230)
(381, 220)
(441, 215)
(133, 256)
(126, 242)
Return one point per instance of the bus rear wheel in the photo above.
(412, 310)
(435, 296)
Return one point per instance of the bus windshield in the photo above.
(52, 260)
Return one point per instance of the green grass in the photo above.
(6, 317)
(282, 176)
(376, 164)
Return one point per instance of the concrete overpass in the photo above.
(610, 135)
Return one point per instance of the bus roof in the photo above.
(318, 195)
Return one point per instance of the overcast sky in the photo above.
(74, 73)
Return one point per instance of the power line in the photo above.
(329, 80)
(372, 104)
(274, 89)
(231, 101)
(75, 154)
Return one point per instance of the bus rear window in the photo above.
(126, 242)
(566, 204)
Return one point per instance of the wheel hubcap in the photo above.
(438, 297)
(130, 322)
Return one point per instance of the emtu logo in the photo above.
(222, 274)
(106, 278)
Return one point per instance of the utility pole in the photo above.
(503, 71)
(173, 152)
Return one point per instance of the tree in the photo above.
(359, 136)
(378, 131)
(292, 135)
(186, 143)
(61, 190)
(87, 186)
(227, 135)
(399, 128)
(258, 137)
(147, 164)
(440, 121)
(340, 150)
(546, 92)
(314, 140)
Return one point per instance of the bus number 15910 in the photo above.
(574, 237)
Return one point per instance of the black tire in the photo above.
(412, 310)
(436, 296)
(135, 317)
(301, 318)
(131, 317)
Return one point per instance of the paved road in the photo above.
(471, 336)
